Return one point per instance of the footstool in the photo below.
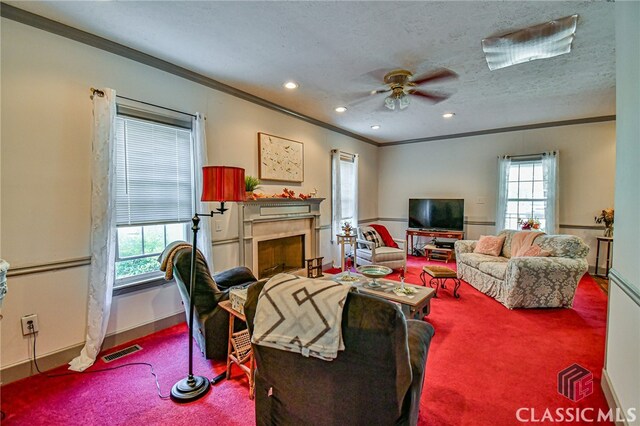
(439, 276)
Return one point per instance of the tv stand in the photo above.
(411, 233)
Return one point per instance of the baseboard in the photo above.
(63, 356)
(611, 397)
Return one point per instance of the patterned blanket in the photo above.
(166, 258)
(301, 315)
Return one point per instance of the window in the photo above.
(344, 188)
(528, 189)
(154, 193)
(348, 198)
(525, 193)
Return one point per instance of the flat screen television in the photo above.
(437, 214)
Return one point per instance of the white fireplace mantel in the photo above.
(267, 218)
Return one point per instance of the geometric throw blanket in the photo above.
(302, 315)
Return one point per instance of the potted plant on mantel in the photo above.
(251, 183)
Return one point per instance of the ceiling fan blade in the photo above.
(376, 92)
(437, 75)
(430, 96)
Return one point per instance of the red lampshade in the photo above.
(221, 183)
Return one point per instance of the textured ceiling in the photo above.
(334, 50)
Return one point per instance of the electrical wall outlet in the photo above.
(26, 330)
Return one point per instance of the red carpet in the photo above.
(484, 364)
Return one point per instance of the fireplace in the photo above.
(295, 222)
(280, 255)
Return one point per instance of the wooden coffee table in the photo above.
(415, 306)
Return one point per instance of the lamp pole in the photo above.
(193, 387)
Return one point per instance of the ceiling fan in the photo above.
(402, 85)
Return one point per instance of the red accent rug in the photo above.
(485, 363)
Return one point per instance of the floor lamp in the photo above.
(219, 183)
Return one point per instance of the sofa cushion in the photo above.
(495, 269)
(489, 245)
(383, 254)
(475, 259)
(533, 251)
(563, 245)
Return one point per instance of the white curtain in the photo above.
(504, 163)
(336, 194)
(550, 175)
(103, 227)
(200, 160)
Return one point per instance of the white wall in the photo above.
(45, 181)
(623, 327)
(467, 168)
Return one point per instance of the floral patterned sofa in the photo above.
(526, 282)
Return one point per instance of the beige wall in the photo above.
(467, 168)
(45, 181)
(623, 328)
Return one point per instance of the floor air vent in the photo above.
(121, 353)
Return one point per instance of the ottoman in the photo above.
(439, 275)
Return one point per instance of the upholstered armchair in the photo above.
(373, 250)
(376, 380)
(211, 329)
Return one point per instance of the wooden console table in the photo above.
(411, 233)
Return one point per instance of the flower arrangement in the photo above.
(531, 223)
(606, 216)
(347, 228)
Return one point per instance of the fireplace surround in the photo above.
(274, 218)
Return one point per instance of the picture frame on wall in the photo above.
(280, 159)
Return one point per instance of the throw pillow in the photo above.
(387, 239)
(372, 236)
(533, 251)
(489, 245)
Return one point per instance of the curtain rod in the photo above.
(101, 94)
(539, 154)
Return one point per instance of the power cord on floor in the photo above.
(130, 364)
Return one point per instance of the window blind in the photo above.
(347, 176)
(154, 176)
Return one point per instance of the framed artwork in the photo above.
(280, 159)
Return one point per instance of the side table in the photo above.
(609, 242)
(239, 347)
(346, 239)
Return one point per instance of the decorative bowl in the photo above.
(374, 272)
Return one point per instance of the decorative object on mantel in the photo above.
(286, 193)
(531, 223)
(280, 159)
(606, 216)
(251, 183)
(346, 228)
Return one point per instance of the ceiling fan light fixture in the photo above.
(404, 101)
(390, 102)
(541, 41)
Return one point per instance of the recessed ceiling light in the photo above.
(291, 85)
(448, 114)
(341, 109)
(375, 126)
